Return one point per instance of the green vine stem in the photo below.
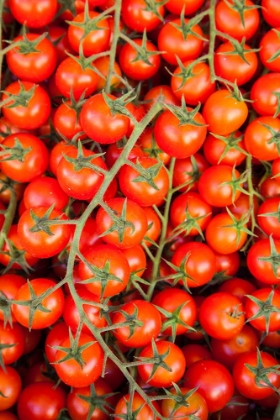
(9, 217)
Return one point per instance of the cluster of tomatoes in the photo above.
(140, 210)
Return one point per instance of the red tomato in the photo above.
(259, 139)
(13, 337)
(168, 354)
(195, 352)
(9, 285)
(34, 66)
(270, 11)
(55, 337)
(36, 108)
(246, 371)
(87, 369)
(222, 315)
(139, 408)
(10, 387)
(237, 287)
(264, 94)
(146, 182)
(188, 171)
(139, 16)
(27, 157)
(41, 400)
(262, 309)
(44, 191)
(262, 261)
(230, 150)
(99, 123)
(270, 44)
(146, 323)
(40, 314)
(213, 382)
(34, 13)
(124, 224)
(224, 113)
(43, 240)
(108, 271)
(193, 405)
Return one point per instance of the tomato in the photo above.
(146, 183)
(123, 223)
(13, 255)
(136, 258)
(262, 309)
(196, 264)
(262, 261)
(181, 312)
(190, 214)
(146, 323)
(79, 408)
(40, 314)
(168, 367)
(139, 408)
(270, 45)
(245, 374)
(35, 110)
(213, 382)
(32, 339)
(154, 227)
(194, 405)
(190, 6)
(230, 150)
(225, 234)
(175, 43)
(270, 11)
(59, 39)
(236, 408)
(26, 157)
(102, 65)
(268, 217)
(108, 271)
(264, 94)
(66, 121)
(224, 113)
(75, 175)
(237, 287)
(134, 66)
(55, 337)
(41, 400)
(94, 40)
(229, 21)
(188, 171)
(10, 387)
(270, 187)
(195, 352)
(34, 13)
(196, 86)
(44, 191)
(99, 123)
(87, 370)
(7, 415)
(14, 337)
(219, 185)
(34, 66)
(227, 351)
(43, 240)
(222, 315)
(137, 16)
(9, 285)
(180, 138)
(70, 75)
(93, 314)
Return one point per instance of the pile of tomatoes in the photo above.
(140, 209)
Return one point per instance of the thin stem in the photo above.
(113, 48)
(9, 217)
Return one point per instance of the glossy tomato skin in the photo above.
(13, 336)
(258, 138)
(141, 191)
(269, 224)
(79, 408)
(10, 387)
(98, 256)
(34, 163)
(135, 219)
(216, 151)
(41, 400)
(37, 111)
(54, 302)
(245, 379)
(262, 269)
(174, 359)
(194, 404)
(214, 383)
(188, 171)
(223, 113)
(264, 94)
(71, 372)
(55, 337)
(228, 20)
(39, 243)
(222, 315)
(33, 67)
(199, 266)
(136, 16)
(179, 140)
(270, 45)
(136, 68)
(227, 351)
(139, 406)
(270, 321)
(99, 123)
(95, 41)
(238, 287)
(44, 191)
(141, 335)
(9, 285)
(270, 11)
(34, 13)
